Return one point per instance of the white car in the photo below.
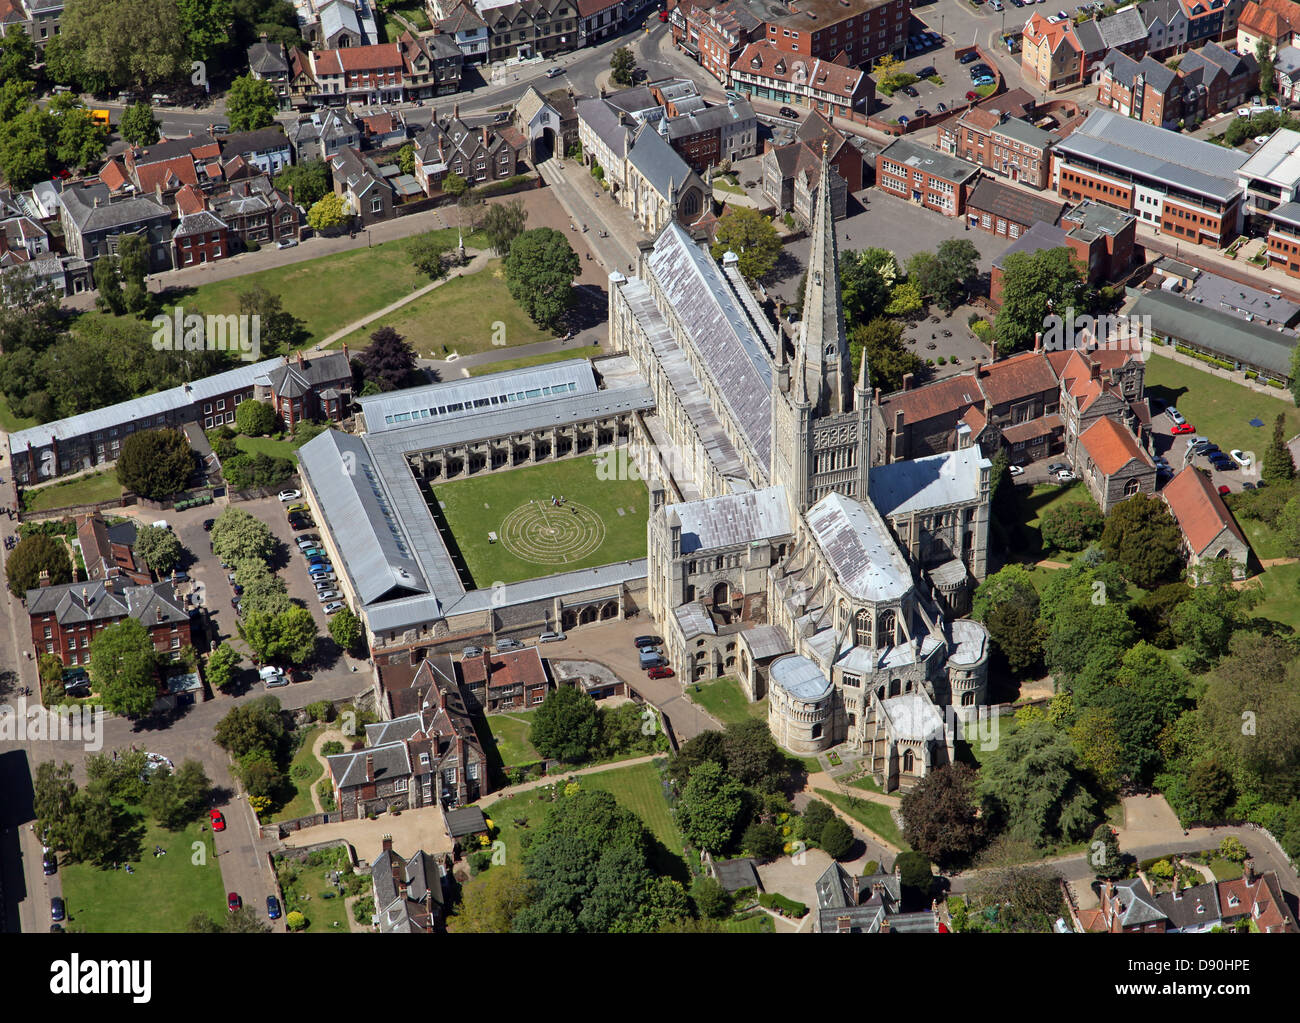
(1015, 470)
(1241, 458)
(334, 607)
(290, 495)
(1065, 476)
(324, 596)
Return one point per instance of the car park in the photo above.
(309, 540)
(218, 821)
(320, 574)
(941, 108)
(927, 72)
(1224, 490)
(920, 112)
(290, 495)
(333, 607)
(323, 584)
(909, 90)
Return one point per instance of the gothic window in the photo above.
(895, 687)
(817, 731)
(885, 629)
(862, 627)
(1132, 487)
(909, 761)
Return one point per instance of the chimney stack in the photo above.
(1248, 871)
(388, 843)
(370, 767)
(43, 580)
(1038, 341)
(85, 597)
(300, 362)
(345, 352)
(455, 111)
(1094, 371)
(907, 381)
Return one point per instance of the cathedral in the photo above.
(777, 553)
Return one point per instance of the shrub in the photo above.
(763, 842)
(321, 710)
(814, 818)
(1231, 848)
(295, 921)
(1072, 526)
(332, 748)
(479, 861)
(836, 838)
(711, 899)
(870, 867)
(782, 905)
(363, 910)
(302, 772)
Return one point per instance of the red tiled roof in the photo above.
(1272, 916)
(376, 57)
(777, 64)
(190, 200)
(1199, 509)
(517, 667)
(1017, 377)
(933, 400)
(168, 174)
(1037, 28)
(1111, 446)
(113, 174)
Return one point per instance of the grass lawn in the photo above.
(872, 816)
(501, 365)
(756, 922)
(269, 446)
(463, 315)
(306, 895)
(99, 486)
(866, 782)
(357, 282)
(304, 771)
(1225, 870)
(609, 526)
(726, 701)
(161, 896)
(986, 90)
(11, 423)
(1280, 586)
(1026, 537)
(969, 749)
(511, 734)
(727, 185)
(1218, 408)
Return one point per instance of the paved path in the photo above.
(477, 262)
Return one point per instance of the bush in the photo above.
(479, 861)
(763, 842)
(782, 905)
(321, 710)
(836, 838)
(814, 819)
(870, 867)
(295, 921)
(711, 899)
(363, 910)
(332, 748)
(1072, 526)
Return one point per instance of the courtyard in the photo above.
(600, 521)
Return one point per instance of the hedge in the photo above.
(784, 906)
(1184, 350)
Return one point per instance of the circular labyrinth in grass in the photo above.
(540, 533)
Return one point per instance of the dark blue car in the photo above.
(273, 907)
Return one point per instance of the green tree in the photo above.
(123, 668)
(1279, 467)
(158, 548)
(406, 158)
(904, 299)
(503, 223)
(751, 236)
(1143, 538)
(1095, 736)
(155, 463)
(490, 904)
(1007, 603)
(1032, 786)
(1104, 853)
(540, 271)
(621, 65)
(346, 630)
(308, 181)
(707, 746)
(388, 360)
(89, 833)
(133, 263)
(221, 665)
(175, 800)
(236, 536)
(752, 756)
(205, 24)
(1024, 899)
(941, 816)
(34, 554)
(565, 725)
(95, 28)
(17, 55)
(250, 103)
(914, 874)
(81, 142)
(947, 274)
(1267, 81)
(836, 839)
(53, 796)
(762, 841)
(1034, 286)
(429, 255)
(252, 726)
(329, 211)
(256, 418)
(282, 635)
(1071, 526)
(1086, 626)
(278, 331)
(1212, 613)
(27, 145)
(454, 185)
(1209, 790)
(888, 361)
(138, 126)
(866, 280)
(710, 808)
(710, 898)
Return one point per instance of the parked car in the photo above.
(234, 902)
(1056, 467)
(982, 81)
(273, 907)
(290, 495)
(208, 524)
(967, 58)
(941, 108)
(971, 95)
(1241, 458)
(333, 607)
(1173, 413)
(308, 540)
(49, 863)
(301, 523)
(1015, 470)
(57, 910)
(1248, 485)
(1224, 489)
(1183, 428)
(293, 508)
(220, 129)
(904, 120)
(321, 575)
(218, 821)
(509, 644)
(323, 584)
(286, 243)
(1065, 476)
(920, 112)
(642, 641)
(472, 651)
(551, 637)
(660, 672)
(313, 552)
(554, 72)
(910, 90)
(927, 72)
(789, 113)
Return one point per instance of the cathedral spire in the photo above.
(823, 347)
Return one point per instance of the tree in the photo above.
(406, 158)
(133, 263)
(94, 29)
(175, 800)
(17, 55)
(287, 634)
(429, 255)
(540, 270)
(762, 841)
(388, 359)
(221, 665)
(53, 796)
(503, 223)
(253, 726)
(490, 904)
(707, 746)
(941, 816)
(155, 463)
(888, 362)
(454, 185)
(914, 875)
(138, 126)
(250, 103)
(81, 142)
(1033, 788)
(123, 668)
(1095, 736)
(89, 833)
(256, 418)
(158, 548)
(947, 274)
(1213, 611)
(242, 921)
(710, 807)
(565, 725)
(752, 756)
(109, 298)
(1036, 285)
(305, 182)
(751, 236)
(866, 280)
(712, 901)
(236, 536)
(327, 212)
(1279, 466)
(1209, 790)
(1072, 526)
(345, 628)
(1267, 81)
(34, 554)
(1104, 854)
(278, 331)
(836, 839)
(27, 141)
(621, 65)
(262, 589)
(1143, 538)
(1025, 899)
(1007, 603)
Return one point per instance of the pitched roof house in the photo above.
(1210, 533)
(409, 897)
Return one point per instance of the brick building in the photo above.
(1009, 212)
(65, 619)
(510, 680)
(1001, 143)
(925, 177)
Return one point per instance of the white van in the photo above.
(161, 524)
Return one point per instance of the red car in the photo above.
(663, 15)
(1184, 428)
(660, 672)
(234, 902)
(1224, 489)
(971, 95)
(218, 822)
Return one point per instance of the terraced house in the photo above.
(450, 146)
(529, 28)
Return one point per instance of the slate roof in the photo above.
(197, 223)
(734, 875)
(1014, 204)
(602, 119)
(859, 547)
(657, 161)
(76, 603)
(1137, 905)
(935, 481)
(1192, 908)
(107, 216)
(767, 641)
(466, 820)
(732, 519)
(267, 59)
(390, 761)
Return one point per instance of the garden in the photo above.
(315, 886)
